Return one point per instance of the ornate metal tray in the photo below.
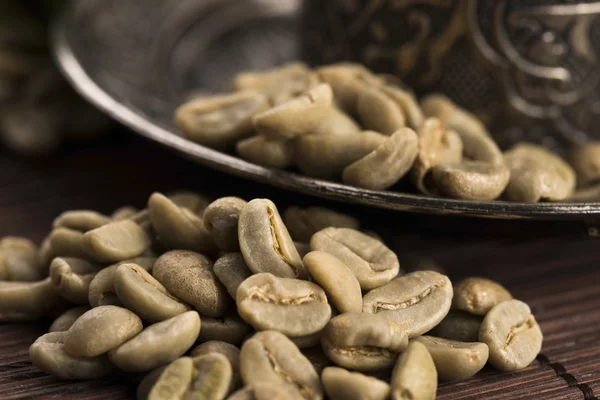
(138, 59)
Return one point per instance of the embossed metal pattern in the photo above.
(138, 59)
(529, 68)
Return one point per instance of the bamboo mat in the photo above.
(559, 277)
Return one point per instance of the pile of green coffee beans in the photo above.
(36, 104)
(318, 308)
(342, 122)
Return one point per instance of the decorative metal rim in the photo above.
(84, 84)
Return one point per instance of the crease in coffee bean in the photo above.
(369, 351)
(152, 284)
(264, 294)
(277, 239)
(303, 389)
(517, 329)
(383, 306)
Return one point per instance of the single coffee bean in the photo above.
(414, 376)
(33, 299)
(326, 156)
(470, 180)
(477, 296)
(124, 212)
(221, 220)
(174, 381)
(177, 227)
(101, 291)
(337, 123)
(262, 391)
(340, 384)
(66, 319)
(512, 334)
(408, 103)
(232, 354)
(190, 277)
(460, 326)
(148, 383)
(363, 342)
(48, 354)
(116, 241)
(71, 278)
(478, 145)
(298, 116)
(231, 329)
(80, 220)
(455, 361)
(536, 174)
(193, 201)
(220, 120)
(18, 260)
(417, 301)
(378, 112)
(338, 281)
(45, 256)
(67, 242)
(346, 80)
(146, 296)
(266, 243)
(384, 166)
(231, 269)
(271, 357)
(290, 306)
(303, 223)
(371, 261)
(100, 330)
(158, 344)
(268, 153)
(585, 160)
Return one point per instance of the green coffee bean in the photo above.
(585, 162)
(363, 342)
(158, 344)
(340, 384)
(417, 301)
(378, 112)
(477, 143)
(231, 269)
(32, 299)
(337, 123)
(80, 220)
(303, 223)
(536, 174)
(270, 357)
(338, 281)
(460, 326)
(124, 212)
(414, 376)
(231, 329)
(326, 156)
(220, 120)
(470, 180)
(67, 242)
(148, 383)
(48, 354)
(290, 306)
(455, 361)
(221, 220)
(116, 241)
(384, 166)
(265, 241)
(298, 116)
(71, 278)
(371, 261)
(190, 277)
(408, 103)
(174, 381)
(265, 152)
(232, 354)
(145, 295)
(66, 319)
(478, 295)
(177, 227)
(100, 330)
(18, 260)
(512, 335)
(101, 291)
(263, 391)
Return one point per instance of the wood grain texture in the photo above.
(556, 274)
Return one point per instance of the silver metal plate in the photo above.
(138, 59)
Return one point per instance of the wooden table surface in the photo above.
(543, 264)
